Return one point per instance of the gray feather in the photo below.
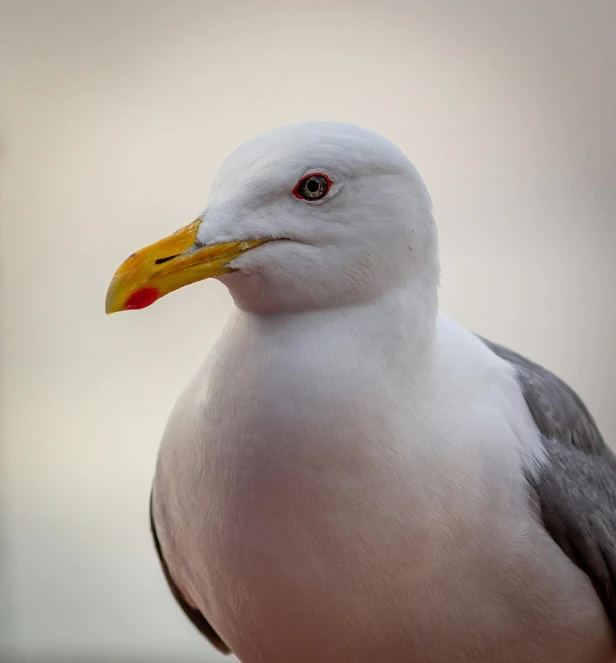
(576, 491)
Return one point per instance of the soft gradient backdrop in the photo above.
(114, 117)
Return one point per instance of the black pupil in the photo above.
(314, 187)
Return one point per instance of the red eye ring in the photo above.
(314, 186)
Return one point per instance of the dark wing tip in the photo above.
(200, 622)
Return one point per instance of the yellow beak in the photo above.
(167, 265)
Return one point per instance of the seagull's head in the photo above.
(311, 215)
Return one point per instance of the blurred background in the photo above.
(114, 117)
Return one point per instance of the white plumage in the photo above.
(346, 478)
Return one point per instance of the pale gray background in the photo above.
(114, 117)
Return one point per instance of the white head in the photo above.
(311, 215)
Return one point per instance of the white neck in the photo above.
(399, 327)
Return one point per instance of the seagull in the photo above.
(352, 476)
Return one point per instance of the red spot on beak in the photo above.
(142, 298)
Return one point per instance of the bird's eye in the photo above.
(313, 187)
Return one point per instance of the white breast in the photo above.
(325, 495)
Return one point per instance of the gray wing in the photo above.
(576, 491)
(194, 615)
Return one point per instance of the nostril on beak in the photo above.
(160, 261)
